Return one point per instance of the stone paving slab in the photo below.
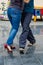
(26, 59)
(1, 60)
(33, 54)
(29, 58)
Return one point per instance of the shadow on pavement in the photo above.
(30, 50)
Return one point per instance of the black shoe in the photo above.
(33, 42)
(21, 49)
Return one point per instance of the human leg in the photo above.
(15, 20)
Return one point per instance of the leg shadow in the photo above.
(30, 50)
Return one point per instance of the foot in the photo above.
(33, 42)
(21, 50)
(13, 47)
(8, 48)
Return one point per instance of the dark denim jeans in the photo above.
(26, 32)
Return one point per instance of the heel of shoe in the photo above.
(5, 46)
(13, 47)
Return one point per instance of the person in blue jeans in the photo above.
(14, 13)
(26, 30)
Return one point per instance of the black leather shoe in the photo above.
(33, 42)
(21, 50)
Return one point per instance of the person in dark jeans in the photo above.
(14, 13)
(26, 30)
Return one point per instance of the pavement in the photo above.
(33, 54)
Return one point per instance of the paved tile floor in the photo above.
(33, 54)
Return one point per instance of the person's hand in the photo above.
(26, 1)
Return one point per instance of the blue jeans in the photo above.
(14, 16)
